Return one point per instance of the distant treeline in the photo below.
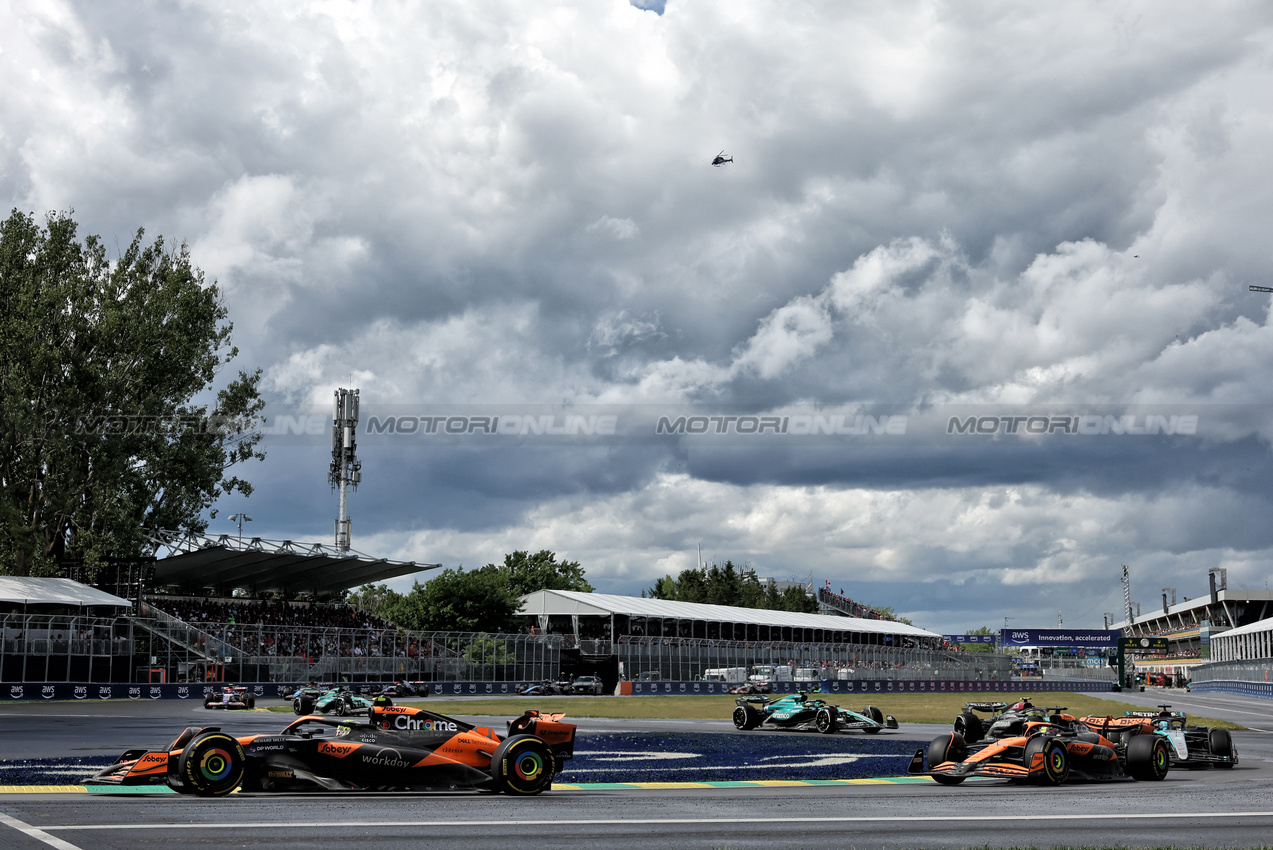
(726, 584)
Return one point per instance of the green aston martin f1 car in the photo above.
(805, 710)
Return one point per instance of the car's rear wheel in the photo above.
(824, 720)
(303, 705)
(970, 726)
(523, 765)
(212, 764)
(1148, 758)
(1221, 745)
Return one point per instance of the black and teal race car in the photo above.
(339, 700)
(805, 710)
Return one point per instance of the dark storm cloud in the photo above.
(501, 203)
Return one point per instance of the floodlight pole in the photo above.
(345, 469)
(242, 518)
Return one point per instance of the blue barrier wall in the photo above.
(1251, 689)
(92, 691)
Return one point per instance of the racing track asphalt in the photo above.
(1211, 808)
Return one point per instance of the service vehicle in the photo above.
(587, 685)
(395, 748)
(1048, 752)
(804, 710)
(1192, 746)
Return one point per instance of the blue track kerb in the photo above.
(746, 757)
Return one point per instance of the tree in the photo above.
(980, 647)
(100, 364)
(526, 573)
(457, 601)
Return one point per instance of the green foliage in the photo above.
(980, 647)
(727, 584)
(458, 601)
(482, 600)
(486, 650)
(526, 573)
(99, 364)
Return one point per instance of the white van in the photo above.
(728, 675)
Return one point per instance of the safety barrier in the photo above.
(1251, 689)
(277, 690)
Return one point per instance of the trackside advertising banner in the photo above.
(1060, 637)
(95, 691)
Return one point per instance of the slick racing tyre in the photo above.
(303, 705)
(944, 748)
(876, 715)
(1056, 759)
(746, 717)
(1148, 758)
(523, 765)
(1221, 745)
(825, 721)
(970, 726)
(212, 765)
(251, 701)
(341, 708)
(208, 701)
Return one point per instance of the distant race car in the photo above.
(404, 689)
(803, 710)
(396, 748)
(229, 697)
(752, 688)
(1006, 720)
(340, 701)
(1191, 746)
(1047, 753)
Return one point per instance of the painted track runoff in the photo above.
(1211, 808)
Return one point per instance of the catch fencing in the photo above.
(157, 648)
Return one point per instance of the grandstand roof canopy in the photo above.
(201, 561)
(29, 592)
(567, 602)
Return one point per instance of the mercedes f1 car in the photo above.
(1006, 720)
(397, 748)
(1048, 753)
(229, 697)
(1191, 746)
(805, 711)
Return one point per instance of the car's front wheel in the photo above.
(1148, 758)
(212, 764)
(824, 720)
(523, 765)
(1221, 745)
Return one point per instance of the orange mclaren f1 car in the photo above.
(395, 748)
(1048, 752)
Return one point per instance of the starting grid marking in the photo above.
(557, 786)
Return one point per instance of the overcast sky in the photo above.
(1040, 214)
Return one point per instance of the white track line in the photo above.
(468, 824)
(37, 834)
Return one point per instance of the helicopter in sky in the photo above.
(721, 159)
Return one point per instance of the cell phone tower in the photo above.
(346, 469)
